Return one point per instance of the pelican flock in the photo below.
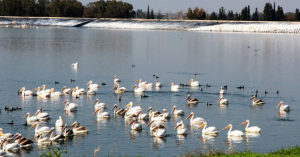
(131, 114)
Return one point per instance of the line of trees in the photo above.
(270, 13)
(66, 8)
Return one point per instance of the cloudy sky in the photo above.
(208, 5)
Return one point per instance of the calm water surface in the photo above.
(33, 57)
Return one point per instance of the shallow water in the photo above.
(33, 57)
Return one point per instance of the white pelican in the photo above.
(234, 132)
(137, 90)
(116, 79)
(66, 90)
(70, 106)
(42, 140)
(78, 129)
(8, 136)
(197, 120)
(191, 100)
(119, 90)
(210, 130)
(75, 65)
(14, 147)
(22, 141)
(133, 110)
(254, 129)
(59, 122)
(26, 92)
(283, 107)
(157, 118)
(181, 129)
(58, 137)
(101, 114)
(42, 115)
(91, 85)
(77, 91)
(257, 101)
(177, 112)
(193, 83)
(120, 111)
(159, 132)
(99, 105)
(158, 84)
(67, 131)
(53, 94)
(148, 85)
(174, 87)
(223, 101)
(45, 90)
(166, 114)
(144, 116)
(135, 125)
(91, 91)
(30, 119)
(42, 93)
(222, 91)
(141, 84)
(38, 129)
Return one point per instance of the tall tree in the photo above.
(230, 15)
(297, 15)
(255, 16)
(268, 12)
(279, 14)
(152, 14)
(244, 14)
(248, 13)
(189, 14)
(213, 16)
(148, 13)
(222, 14)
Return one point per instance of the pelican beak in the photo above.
(201, 126)
(279, 104)
(37, 112)
(137, 81)
(115, 106)
(174, 108)
(244, 123)
(63, 88)
(33, 125)
(252, 97)
(95, 101)
(50, 131)
(191, 81)
(226, 127)
(170, 84)
(128, 105)
(219, 100)
(152, 130)
(2, 134)
(36, 89)
(97, 111)
(21, 90)
(65, 101)
(88, 83)
(178, 126)
(189, 116)
(150, 123)
(131, 122)
(149, 109)
(26, 115)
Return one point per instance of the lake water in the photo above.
(32, 57)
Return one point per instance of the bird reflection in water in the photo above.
(249, 135)
(283, 114)
(158, 142)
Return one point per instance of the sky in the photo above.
(174, 6)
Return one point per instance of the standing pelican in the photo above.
(197, 120)
(59, 122)
(238, 133)
(283, 107)
(78, 129)
(66, 90)
(177, 112)
(137, 90)
(91, 85)
(210, 130)
(181, 129)
(193, 83)
(26, 92)
(254, 129)
(99, 105)
(116, 79)
(174, 87)
(257, 101)
(191, 100)
(70, 106)
(38, 129)
(135, 125)
(101, 114)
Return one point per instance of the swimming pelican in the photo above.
(91, 91)
(77, 91)
(53, 94)
(166, 114)
(99, 105)
(234, 132)
(41, 93)
(148, 85)
(30, 119)
(141, 84)
(91, 85)
(133, 110)
(38, 129)
(157, 118)
(75, 65)
(223, 101)
(2, 152)
(26, 92)
(8, 136)
(197, 120)
(67, 131)
(120, 111)
(45, 90)
(210, 130)
(119, 90)
(257, 101)
(42, 140)
(254, 129)
(70, 106)
(22, 141)
(78, 129)
(59, 122)
(137, 90)
(101, 114)
(42, 115)
(192, 100)
(66, 90)
(159, 132)
(135, 125)
(181, 129)
(177, 112)
(158, 84)
(174, 87)
(283, 107)
(144, 116)
(116, 79)
(193, 83)
(58, 137)
(14, 147)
